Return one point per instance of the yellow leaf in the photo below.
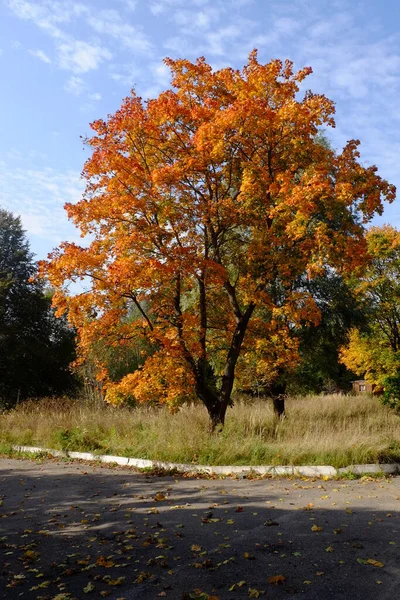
(375, 563)
(159, 497)
(103, 562)
(253, 593)
(316, 528)
(118, 581)
(31, 555)
(239, 585)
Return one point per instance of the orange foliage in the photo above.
(204, 206)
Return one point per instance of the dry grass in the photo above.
(336, 430)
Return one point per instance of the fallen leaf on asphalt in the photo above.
(271, 523)
(375, 563)
(199, 595)
(159, 497)
(253, 593)
(235, 585)
(102, 562)
(277, 579)
(316, 528)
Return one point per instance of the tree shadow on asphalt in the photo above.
(75, 531)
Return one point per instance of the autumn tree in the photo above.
(375, 353)
(204, 206)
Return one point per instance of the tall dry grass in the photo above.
(336, 430)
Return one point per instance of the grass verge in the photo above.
(333, 430)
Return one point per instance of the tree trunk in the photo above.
(278, 394)
(217, 414)
(279, 405)
(210, 398)
(215, 401)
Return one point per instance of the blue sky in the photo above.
(65, 63)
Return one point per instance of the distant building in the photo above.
(361, 386)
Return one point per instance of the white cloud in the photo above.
(14, 154)
(75, 55)
(96, 96)
(126, 74)
(217, 39)
(196, 20)
(130, 5)
(161, 73)
(110, 22)
(38, 195)
(41, 55)
(156, 8)
(75, 85)
(46, 14)
(159, 80)
(181, 46)
(80, 57)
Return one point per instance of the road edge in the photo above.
(324, 471)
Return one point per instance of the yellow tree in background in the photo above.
(376, 354)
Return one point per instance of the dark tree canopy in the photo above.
(35, 347)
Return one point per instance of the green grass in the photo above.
(333, 430)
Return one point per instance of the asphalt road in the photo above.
(78, 531)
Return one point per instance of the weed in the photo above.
(334, 430)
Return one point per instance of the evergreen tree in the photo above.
(35, 347)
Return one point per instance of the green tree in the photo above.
(340, 309)
(35, 347)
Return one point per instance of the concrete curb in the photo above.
(141, 463)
